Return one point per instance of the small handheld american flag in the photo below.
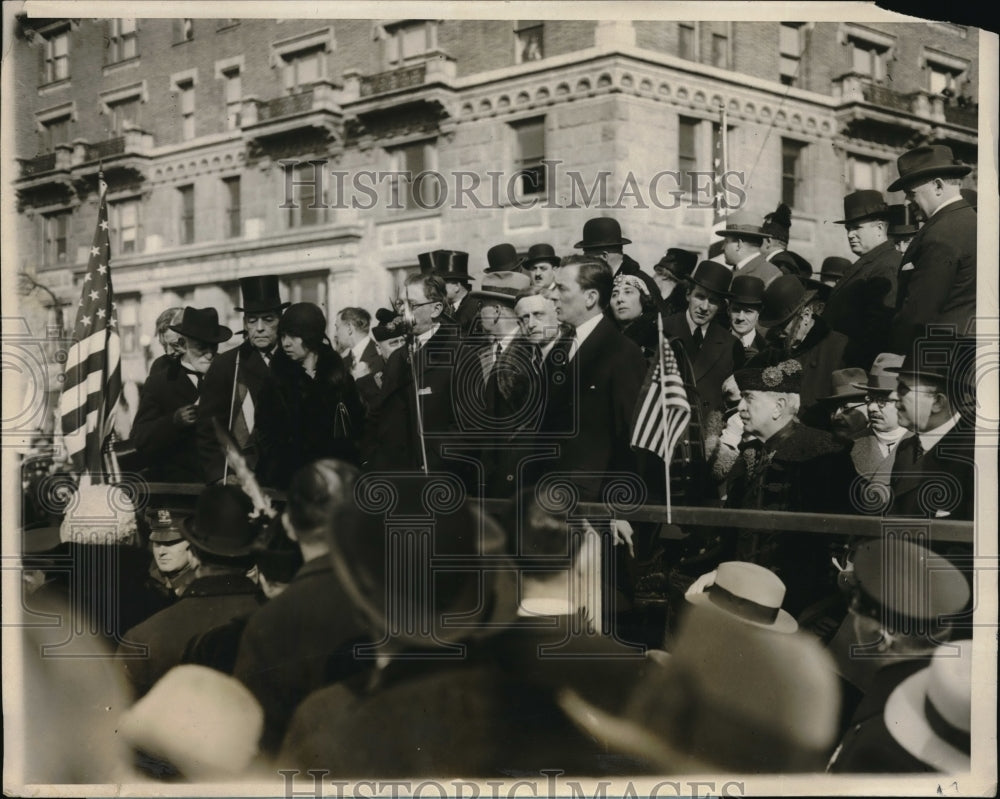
(663, 412)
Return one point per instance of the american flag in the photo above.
(92, 379)
(719, 169)
(663, 412)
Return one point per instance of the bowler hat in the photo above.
(747, 592)
(778, 224)
(741, 225)
(902, 220)
(782, 378)
(164, 526)
(713, 276)
(923, 163)
(679, 263)
(261, 293)
(747, 290)
(603, 231)
(783, 298)
(202, 324)
(303, 319)
(538, 253)
(448, 264)
(834, 266)
(502, 286)
(863, 204)
(844, 383)
(879, 376)
(502, 258)
(221, 524)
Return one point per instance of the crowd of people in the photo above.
(303, 630)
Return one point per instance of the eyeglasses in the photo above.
(881, 401)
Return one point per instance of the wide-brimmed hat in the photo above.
(202, 324)
(502, 258)
(747, 290)
(783, 298)
(603, 231)
(447, 264)
(165, 525)
(221, 524)
(679, 263)
(741, 225)
(730, 697)
(538, 253)
(863, 204)
(390, 325)
(834, 266)
(778, 223)
(929, 713)
(844, 384)
(782, 378)
(879, 376)
(748, 592)
(502, 286)
(902, 220)
(929, 161)
(713, 276)
(261, 293)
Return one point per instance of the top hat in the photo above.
(748, 592)
(783, 378)
(863, 204)
(747, 290)
(447, 264)
(778, 224)
(603, 231)
(164, 526)
(713, 276)
(902, 220)
(740, 225)
(929, 713)
(929, 161)
(845, 384)
(834, 266)
(202, 325)
(879, 376)
(502, 258)
(679, 263)
(538, 253)
(261, 293)
(303, 319)
(502, 286)
(221, 523)
(390, 325)
(783, 298)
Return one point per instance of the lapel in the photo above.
(711, 349)
(594, 349)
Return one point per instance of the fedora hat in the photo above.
(879, 378)
(731, 697)
(923, 163)
(863, 204)
(902, 220)
(679, 263)
(845, 384)
(747, 290)
(538, 253)
(221, 524)
(165, 526)
(749, 593)
(202, 324)
(741, 225)
(502, 286)
(834, 266)
(602, 231)
(448, 264)
(713, 276)
(929, 713)
(502, 258)
(261, 293)
(783, 298)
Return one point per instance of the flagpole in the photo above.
(232, 410)
(663, 408)
(108, 436)
(416, 396)
(724, 133)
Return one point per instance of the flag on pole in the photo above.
(719, 167)
(664, 412)
(92, 379)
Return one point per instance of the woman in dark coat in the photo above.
(323, 407)
(634, 312)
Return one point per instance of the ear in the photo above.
(286, 523)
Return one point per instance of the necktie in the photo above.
(574, 345)
(699, 338)
(349, 361)
(496, 355)
(918, 450)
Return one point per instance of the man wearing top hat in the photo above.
(741, 248)
(861, 304)
(452, 266)
(164, 429)
(937, 281)
(602, 237)
(236, 384)
(776, 228)
(539, 264)
(903, 226)
(671, 274)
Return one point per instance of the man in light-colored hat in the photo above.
(862, 303)
(938, 275)
(741, 248)
(747, 592)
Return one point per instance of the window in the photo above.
(234, 96)
(791, 44)
(791, 172)
(687, 40)
(123, 114)
(528, 156)
(56, 57)
(868, 60)
(55, 131)
(308, 288)
(529, 41)
(687, 150)
(866, 173)
(185, 91)
(123, 43)
(411, 191)
(233, 221)
(304, 68)
(56, 237)
(126, 230)
(720, 50)
(408, 40)
(186, 205)
(128, 323)
(308, 199)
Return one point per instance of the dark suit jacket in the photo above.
(170, 450)
(791, 263)
(712, 363)
(466, 316)
(862, 303)
(941, 484)
(367, 385)
(941, 287)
